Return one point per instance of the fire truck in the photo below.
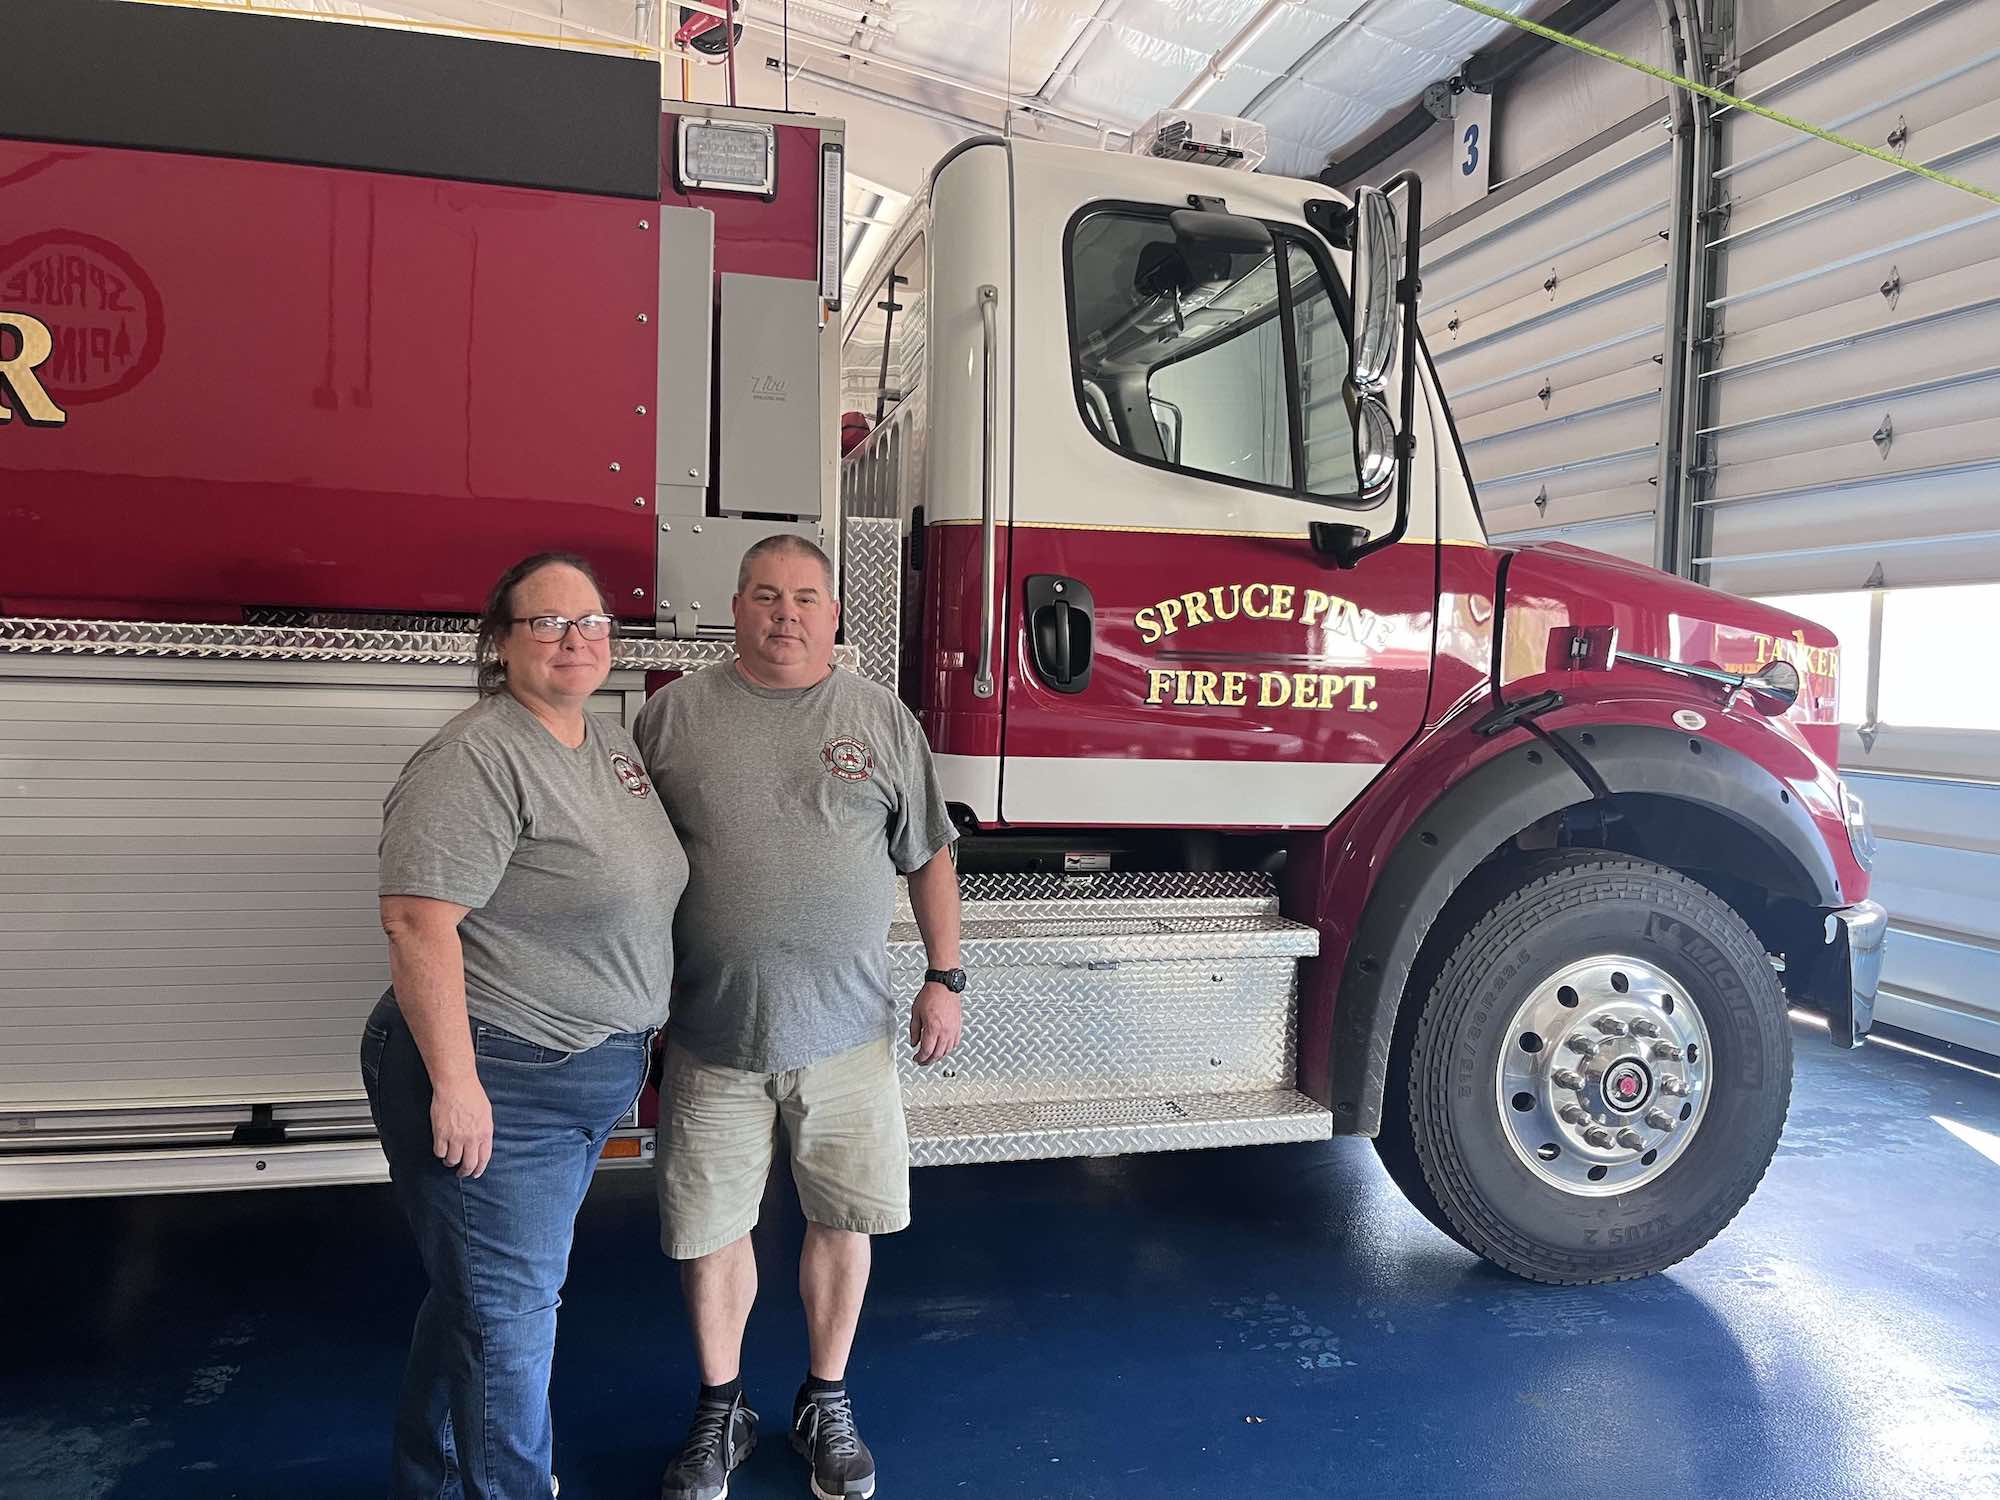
(1292, 806)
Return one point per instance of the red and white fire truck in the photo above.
(1292, 806)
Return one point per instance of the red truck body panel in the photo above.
(319, 388)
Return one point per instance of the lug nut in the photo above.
(1659, 1119)
(1573, 1113)
(1666, 1052)
(1643, 1027)
(1565, 1079)
(1631, 1140)
(1611, 1026)
(1673, 1084)
(1598, 1136)
(1583, 1046)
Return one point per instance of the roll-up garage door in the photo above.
(1852, 413)
(1546, 315)
(1852, 419)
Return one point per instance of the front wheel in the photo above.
(1597, 1077)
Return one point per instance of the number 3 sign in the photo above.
(1472, 165)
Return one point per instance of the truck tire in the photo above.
(1594, 1081)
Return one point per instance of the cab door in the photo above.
(1178, 651)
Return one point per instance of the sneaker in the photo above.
(719, 1439)
(823, 1434)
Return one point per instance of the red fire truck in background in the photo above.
(1292, 806)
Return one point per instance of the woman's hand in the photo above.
(462, 1127)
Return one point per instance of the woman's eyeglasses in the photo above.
(552, 628)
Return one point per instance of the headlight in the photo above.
(1860, 837)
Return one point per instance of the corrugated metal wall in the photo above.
(1853, 412)
(1546, 314)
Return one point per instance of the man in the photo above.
(799, 792)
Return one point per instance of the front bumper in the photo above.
(1848, 970)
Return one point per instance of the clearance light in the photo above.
(832, 200)
(728, 155)
(623, 1148)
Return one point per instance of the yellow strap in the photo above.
(1675, 80)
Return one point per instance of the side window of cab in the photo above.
(1230, 365)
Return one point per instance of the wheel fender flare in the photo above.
(1442, 847)
(1456, 833)
(1645, 758)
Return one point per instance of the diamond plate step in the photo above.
(1094, 941)
(954, 1134)
(1230, 893)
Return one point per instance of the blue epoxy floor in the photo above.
(1269, 1323)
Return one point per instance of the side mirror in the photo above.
(1382, 279)
(1377, 320)
(1774, 688)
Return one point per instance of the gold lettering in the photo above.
(1316, 605)
(1251, 607)
(17, 371)
(1235, 592)
(1204, 691)
(1306, 691)
(1235, 688)
(1274, 689)
(1362, 686)
(1157, 683)
(1197, 611)
(1282, 595)
(1148, 621)
(1170, 615)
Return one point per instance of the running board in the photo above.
(1110, 1014)
(944, 1135)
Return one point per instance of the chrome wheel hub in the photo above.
(1603, 1075)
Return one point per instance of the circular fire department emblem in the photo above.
(102, 311)
(631, 776)
(847, 758)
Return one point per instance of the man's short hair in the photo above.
(784, 541)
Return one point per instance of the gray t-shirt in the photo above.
(798, 807)
(567, 859)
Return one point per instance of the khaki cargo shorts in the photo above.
(718, 1132)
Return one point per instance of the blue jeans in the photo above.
(474, 1418)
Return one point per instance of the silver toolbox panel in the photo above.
(770, 407)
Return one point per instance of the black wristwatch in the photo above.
(951, 979)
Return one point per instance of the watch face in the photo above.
(951, 979)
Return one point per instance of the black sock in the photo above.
(722, 1395)
(817, 1387)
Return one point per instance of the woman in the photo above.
(529, 880)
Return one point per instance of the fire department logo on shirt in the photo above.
(847, 758)
(633, 778)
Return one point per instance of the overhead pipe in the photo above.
(912, 70)
(1669, 512)
(1232, 52)
(1697, 342)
